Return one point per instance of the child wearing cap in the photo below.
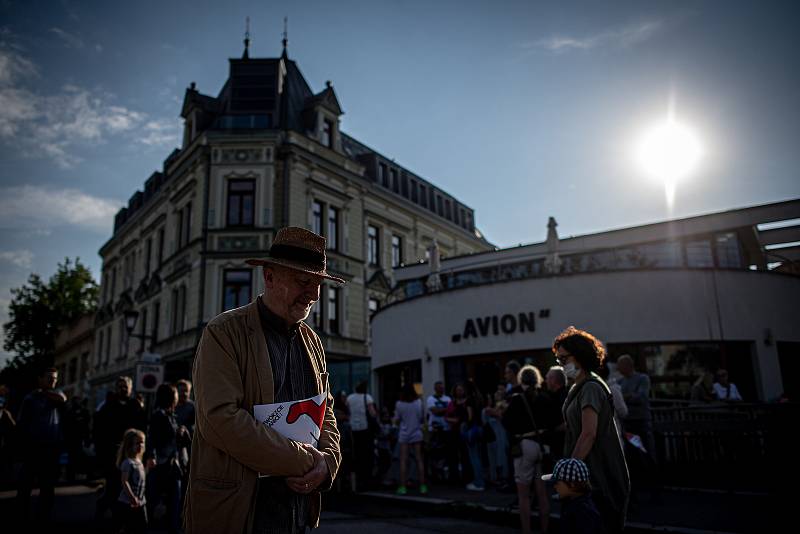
(578, 512)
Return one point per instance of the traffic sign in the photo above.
(149, 377)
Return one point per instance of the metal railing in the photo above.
(726, 446)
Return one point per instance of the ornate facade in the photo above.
(265, 153)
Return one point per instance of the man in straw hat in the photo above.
(262, 353)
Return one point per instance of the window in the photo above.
(154, 334)
(184, 225)
(236, 288)
(423, 195)
(374, 306)
(160, 246)
(100, 348)
(241, 199)
(143, 331)
(414, 191)
(439, 205)
(432, 200)
(404, 185)
(665, 254)
(463, 218)
(179, 230)
(373, 248)
(178, 310)
(447, 212)
(148, 255)
(333, 227)
(187, 219)
(316, 218)
(698, 254)
(333, 310)
(316, 315)
(728, 256)
(122, 344)
(455, 213)
(104, 285)
(383, 175)
(108, 344)
(327, 133)
(395, 182)
(397, 251)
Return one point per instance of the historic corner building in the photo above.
(683, 297)
(266, 152)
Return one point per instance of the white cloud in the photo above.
(71, 40)
(45, 208)
(53, 125)
(160, 133)
(14, 66)
(18, 258)
(619, 37)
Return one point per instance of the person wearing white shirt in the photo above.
(436, 405)
(724, 390)
(360, 404)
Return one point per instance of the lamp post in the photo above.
(131, 316)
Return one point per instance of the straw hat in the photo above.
(298, 249)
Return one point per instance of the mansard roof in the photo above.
(327, 99)
(269, 94)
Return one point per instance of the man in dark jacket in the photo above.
(117, 415)
(40, 433)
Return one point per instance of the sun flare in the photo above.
(669, 152)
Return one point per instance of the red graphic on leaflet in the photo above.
(308, 407)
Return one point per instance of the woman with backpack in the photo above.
(527, 421)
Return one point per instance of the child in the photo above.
(131, 513)
(578, 512)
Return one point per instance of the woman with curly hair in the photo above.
(592, 429)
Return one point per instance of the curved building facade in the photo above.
(690, 302)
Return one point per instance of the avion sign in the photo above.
(495, 325)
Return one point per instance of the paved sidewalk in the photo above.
(687, 511)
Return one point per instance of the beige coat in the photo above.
(231, 373)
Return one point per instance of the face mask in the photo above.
(570, 370)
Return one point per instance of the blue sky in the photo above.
(521, 109)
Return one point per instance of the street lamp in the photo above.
(131, 316)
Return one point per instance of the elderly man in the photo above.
(262, 353)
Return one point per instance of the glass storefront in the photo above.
(672, 367)
(346, 375)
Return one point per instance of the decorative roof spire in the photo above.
(246, 54)
(285, 35)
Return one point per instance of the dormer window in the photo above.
(188, 132)
(327, 133)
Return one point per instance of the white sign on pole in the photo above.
(148, 377)
(150, 357)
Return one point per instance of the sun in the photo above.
(669, 152)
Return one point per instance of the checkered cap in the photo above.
(569, 470)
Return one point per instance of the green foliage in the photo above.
(38, 310)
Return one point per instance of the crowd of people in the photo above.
(509, 437)
(506, 439)
(142, 458)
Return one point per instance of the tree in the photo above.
(38, 310)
